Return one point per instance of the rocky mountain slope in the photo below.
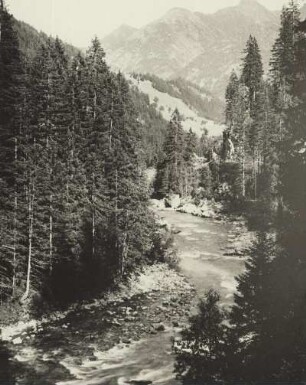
(197, 47)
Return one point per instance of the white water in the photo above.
(200, 243)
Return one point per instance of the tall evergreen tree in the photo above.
(170, 176)
(11, 85)
(231, 96)
(200, 353)
(251, 77)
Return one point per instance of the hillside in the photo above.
(197, 98)
(30, 39)
(167, 96)
(192, 45)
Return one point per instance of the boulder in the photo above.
(173, 201)
(17, 341)
(160, 328)
(157, 204)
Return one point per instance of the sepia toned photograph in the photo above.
(153, 192)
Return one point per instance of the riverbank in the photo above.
(56, 349)
(240, 238)
(126, 334)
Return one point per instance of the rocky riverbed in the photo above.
(157, 299)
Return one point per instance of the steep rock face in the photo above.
(200, 48)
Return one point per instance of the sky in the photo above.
(78, 21)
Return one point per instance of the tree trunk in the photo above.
(30, 238)
(243, 162)
(111, 124)
(93, 218)
(51, 235)
(255, 175)
(243, 176)
(15, 226)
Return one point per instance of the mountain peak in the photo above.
(115, 38)
(178, 12)
(250, 4)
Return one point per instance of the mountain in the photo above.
(197, 47)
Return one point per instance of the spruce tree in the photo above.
(231, 96)
(170, 175)
(11, 174)
(251, 308)
(190, 175)
(200, 352)
(251, 77)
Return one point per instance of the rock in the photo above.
(157, 204)
(139, 382)
(175, 324)
(126, 341)
(109, 313)
(173, 201)
(115, 323)
(92, 358)
(160, 328)
(78, 361)
(17, 341)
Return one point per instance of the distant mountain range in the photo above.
(182, 60)
(196, 47)
(155, 98)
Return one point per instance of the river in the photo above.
(200, 244)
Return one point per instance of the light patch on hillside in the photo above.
(166, 104)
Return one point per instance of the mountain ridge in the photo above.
(193, 45)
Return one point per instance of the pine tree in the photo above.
(251, 77)
(252, 71)
(241, 126)
(11, 85)
(282, 62)
(200, 353)
(170, 175)
(231, 96)
(190, 176)
(251, 307)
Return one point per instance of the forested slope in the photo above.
(74, 215)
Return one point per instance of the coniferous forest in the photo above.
(76, 221)
(74, 215)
